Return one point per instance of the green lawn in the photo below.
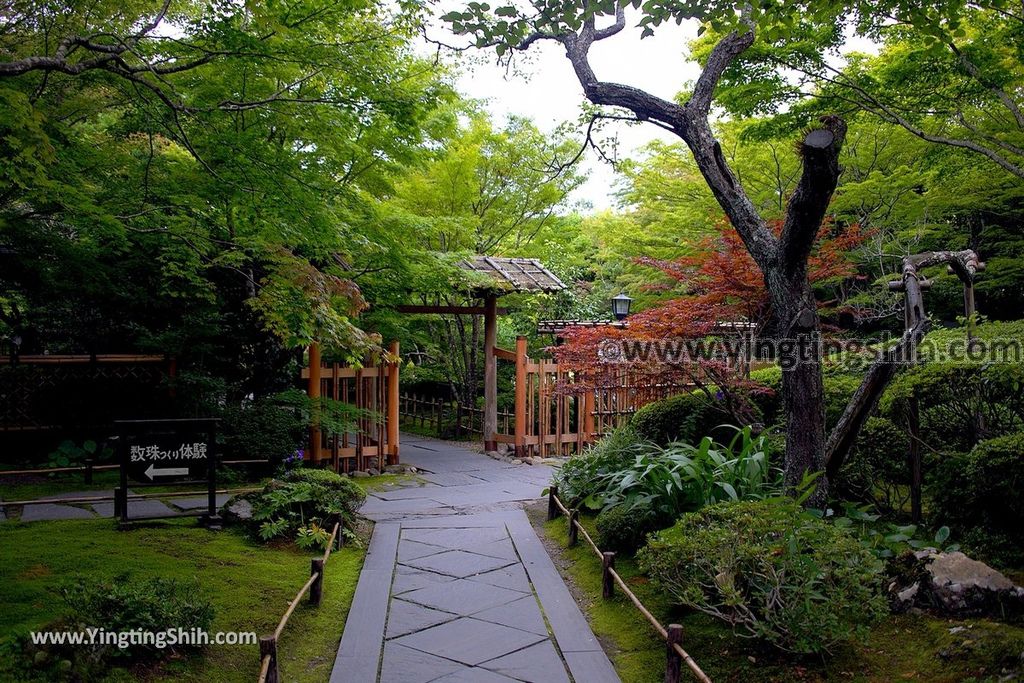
(907, 647)
(249, 584)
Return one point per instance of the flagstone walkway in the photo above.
(456, 586)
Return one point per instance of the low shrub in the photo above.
(624, 530)
(119, 605)
(262, 429)
(682, 477)
(303, 504)
(685, 417)
(979, 496)
(582, 475)
(772, 571)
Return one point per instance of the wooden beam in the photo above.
(490, 373)
(450, 310)
(314, 393)
(504, 354)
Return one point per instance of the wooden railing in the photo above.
(558, 411)
(269, 672)
(447, 418)
(676, 656)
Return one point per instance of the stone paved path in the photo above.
(456, 586)
(136, 508)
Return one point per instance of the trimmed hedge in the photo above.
(685, 417)
(979, 496)
(624, 530)
(773, 571)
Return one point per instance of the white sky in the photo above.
(546, 90)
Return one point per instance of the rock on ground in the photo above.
(954, 584)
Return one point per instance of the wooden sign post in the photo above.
(167, 452)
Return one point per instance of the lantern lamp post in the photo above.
(620, 305)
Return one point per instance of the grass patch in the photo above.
(249, 584)
(905, 647)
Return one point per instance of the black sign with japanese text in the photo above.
(167, 452)
(161, 458)
(158, 452)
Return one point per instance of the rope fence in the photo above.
(269, 672)
(675, 655)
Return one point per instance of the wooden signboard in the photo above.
(165, 453)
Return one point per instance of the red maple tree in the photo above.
(719, 284)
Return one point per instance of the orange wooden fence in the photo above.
(373, 391)
(551, 418)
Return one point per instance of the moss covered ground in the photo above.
(910, 647)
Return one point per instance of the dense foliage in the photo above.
(665, 481)
(685, 417)
(304, 504)
(120, 606)
(978, 495)
(771, 571)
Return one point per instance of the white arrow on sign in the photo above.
(152, 471)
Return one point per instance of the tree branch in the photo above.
(807, 206)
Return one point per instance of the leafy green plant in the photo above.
(118, 606)
(885, 539)
(683, 477)
(772, 571)
(70, 454)
(304, 504)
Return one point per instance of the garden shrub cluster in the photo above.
(641, 476)
(685, 417)
(581, 477)
(876, 471)
(978, 495)
(119, 606)
(263, 429)
(624, 530)
(304, 504)
(771, 570)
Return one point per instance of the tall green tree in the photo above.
(782, 260)
(196, 177)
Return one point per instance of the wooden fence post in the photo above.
(314, 395)
(607, 582)
(552, 505)
(673, 662)
(520, 435)
(316, 591)
(574, 533)
(392, 456)
(490, 421)
(268, 646)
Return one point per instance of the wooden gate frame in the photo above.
(377, 436)
(544, 411)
